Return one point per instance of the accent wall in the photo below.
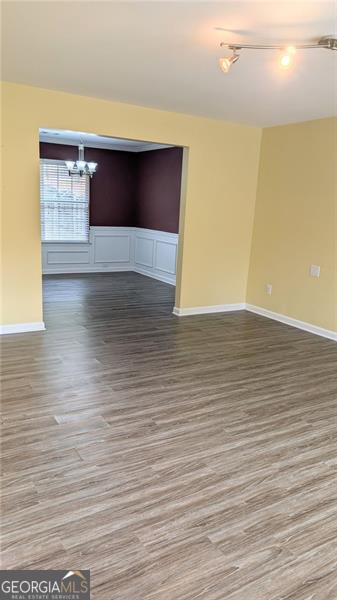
(158, 189)
(130, 189)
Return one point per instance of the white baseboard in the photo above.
(164, 278)
(203, 310)
(263, 312)
(78, 270)
(22, 327)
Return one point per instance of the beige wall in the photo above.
(296, 223)
(220, 192)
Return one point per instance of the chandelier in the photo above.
(286, 53)
(81, 167)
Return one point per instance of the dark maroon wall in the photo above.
(158, 189)
(112, 188)
(130, 189)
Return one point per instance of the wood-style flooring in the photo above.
(176, 458)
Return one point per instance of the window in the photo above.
(64, 203)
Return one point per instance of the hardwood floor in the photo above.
(177, 458)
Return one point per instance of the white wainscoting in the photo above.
(112, 248)
(156, 254)
(108, 249)
(146, 251)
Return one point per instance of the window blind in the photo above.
(64, 203)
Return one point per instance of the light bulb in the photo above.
(92, 166)
(285, 61)
(70, 164)
(226, 62)
(287, 57)
(80, 164)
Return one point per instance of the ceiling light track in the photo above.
(326, 42)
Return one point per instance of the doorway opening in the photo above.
(112, 207)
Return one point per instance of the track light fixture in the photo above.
(286, 52)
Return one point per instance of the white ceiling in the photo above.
(93, 140)
(164, 55)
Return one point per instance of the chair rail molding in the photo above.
(146, 251)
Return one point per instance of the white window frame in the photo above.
(87, 241)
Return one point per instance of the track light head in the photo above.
(227, 61)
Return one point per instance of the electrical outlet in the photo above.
(269, 289)
(315, 271)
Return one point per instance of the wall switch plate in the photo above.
(315, 271)
(269, 289)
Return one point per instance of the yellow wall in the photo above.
(295, 215)
(220, 192)
(296, 223)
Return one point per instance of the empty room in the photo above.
(169, 300)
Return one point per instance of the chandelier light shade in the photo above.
(286, 55)
(81, 167)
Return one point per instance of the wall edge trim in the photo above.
(22, 327)
(303, 325)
